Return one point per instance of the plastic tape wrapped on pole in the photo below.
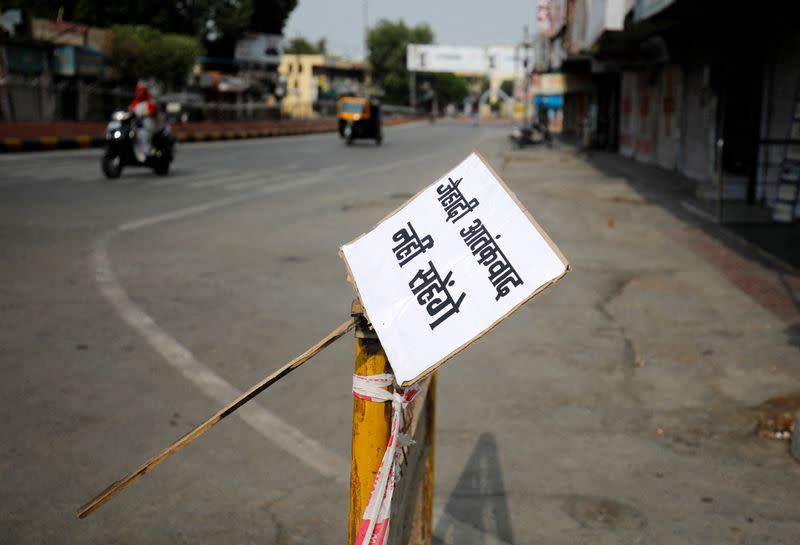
(374, 527)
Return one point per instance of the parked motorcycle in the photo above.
(530, 135)
(121, 141)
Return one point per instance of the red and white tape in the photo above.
(374, 527)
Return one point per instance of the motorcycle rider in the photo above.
(145, 109)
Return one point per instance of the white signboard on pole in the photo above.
(505, 60)
(259, 48)
(445, 58)
(448, 266)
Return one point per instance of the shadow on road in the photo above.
(478, 500)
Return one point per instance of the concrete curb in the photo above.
(47, 143)
(183, 136)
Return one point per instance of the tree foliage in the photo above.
(140, 51)
(449, 87)
(387, 43)
(301, 46)
(507, 86)
(216, 23)
(269, 16)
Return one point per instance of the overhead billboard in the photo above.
(446, 58)
(496, 59)
(260, 49)
(505, 59)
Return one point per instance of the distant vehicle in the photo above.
(119, 148)
(359, 118)
(182, 107)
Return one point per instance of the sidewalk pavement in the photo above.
(641, 399)
(742, 224)
(72, 135)
(759, 257)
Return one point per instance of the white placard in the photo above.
(447, 266)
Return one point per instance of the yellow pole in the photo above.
(371, 423)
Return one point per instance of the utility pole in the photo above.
(366, 32)
(367, 79)
(526, 63)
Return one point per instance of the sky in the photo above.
(454, 22)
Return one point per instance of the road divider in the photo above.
(12, 144)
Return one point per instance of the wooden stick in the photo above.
(256, 389)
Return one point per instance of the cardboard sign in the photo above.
(449, 265)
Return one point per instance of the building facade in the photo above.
(707, 89)
(312, 82)
(51, 71)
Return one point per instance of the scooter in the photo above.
(523, 135)
(120, 141)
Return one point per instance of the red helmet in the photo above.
(142, 92)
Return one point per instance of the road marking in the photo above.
(182, 213)
(256, 182)
(179, 357)
(307, 450)
(697, 211)
(230, 178)
(221, 180)
(181, 177)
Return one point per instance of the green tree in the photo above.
(141, 51)
(508, 87)
(269, 16)
(448, 88)
(227, 22)
(161, 16)
(387, 42)
(301, 46)
(217, 23)
(47, 9)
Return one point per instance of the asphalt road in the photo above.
(621, 406)
(133, 309)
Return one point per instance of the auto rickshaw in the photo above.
(359, 118)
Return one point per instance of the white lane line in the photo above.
(256, 182)
(179, 357)
(182, 213)
(699, 212)
(260, 180)
(221, 180)
(265, 423)
(191, 177)
(308, 450)
(254, 178)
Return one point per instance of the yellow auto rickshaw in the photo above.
(359, 118)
